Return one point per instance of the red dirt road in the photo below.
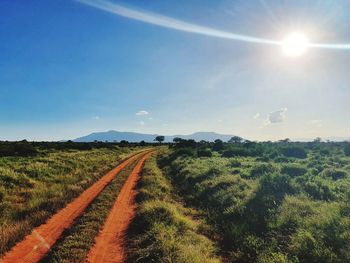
(109, 244)
(43, 237)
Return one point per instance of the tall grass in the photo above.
(33, 188)
(163, 229)
(271, 209)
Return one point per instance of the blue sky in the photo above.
(68, 69)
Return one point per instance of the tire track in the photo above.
(109, 244)
(37, 244)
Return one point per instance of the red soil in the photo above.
(109, 244)
(38, 243)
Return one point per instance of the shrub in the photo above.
(335, 174)
(23, 149)
(347, 150)
(235, 163)
(319, 189)
(234, 151)
(294, 151)
(204, 153)
(294, 170)
(261, 169)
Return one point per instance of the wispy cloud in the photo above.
(142, 123)
(142, 112)
(317, 123)
(96, 117)
(168, 22)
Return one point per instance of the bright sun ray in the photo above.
(295, 45)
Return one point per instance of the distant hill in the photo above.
(137, 137)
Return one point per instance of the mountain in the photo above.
(137, 137)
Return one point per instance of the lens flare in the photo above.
(295, 45)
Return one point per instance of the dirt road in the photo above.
(109, 244)
(43, 237)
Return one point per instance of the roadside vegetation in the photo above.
(76, 242)
(163, 229)
(268, 202)
(37, 179)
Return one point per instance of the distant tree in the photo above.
(142, 143)
(235, 139)
(317, 140)
(159, 139)
(181, 143)
(123, 143)
(218, 145)
(347, 150)
(287, 140)
(177, 140)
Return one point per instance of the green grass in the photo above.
(271, 209)
(34, 188)
(77, 241)
(163, 229)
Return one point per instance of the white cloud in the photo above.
(142, 112)
(150, 118)
(220, 121)
(317, 123)
(142, 123)
(96, 117)
(277, 116)
(256, 116)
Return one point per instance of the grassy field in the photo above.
(163, 229)
(34, 186)
(269, 202)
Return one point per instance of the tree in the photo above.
(235, 139)
(159, 139)
(124, 143)
(218, 145)
(287, 140)
(347, 150)
(317, 140)
(177, 140)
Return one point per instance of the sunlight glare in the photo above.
(295, 45)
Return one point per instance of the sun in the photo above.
(295, 45)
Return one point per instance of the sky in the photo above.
(68, 69)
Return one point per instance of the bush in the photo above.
(235, 163)
(347, 150)
(335, 174)
(22, 149)
(204, 153)
(294, 170)
(234, 152)
(293, 151)
(261, 169)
